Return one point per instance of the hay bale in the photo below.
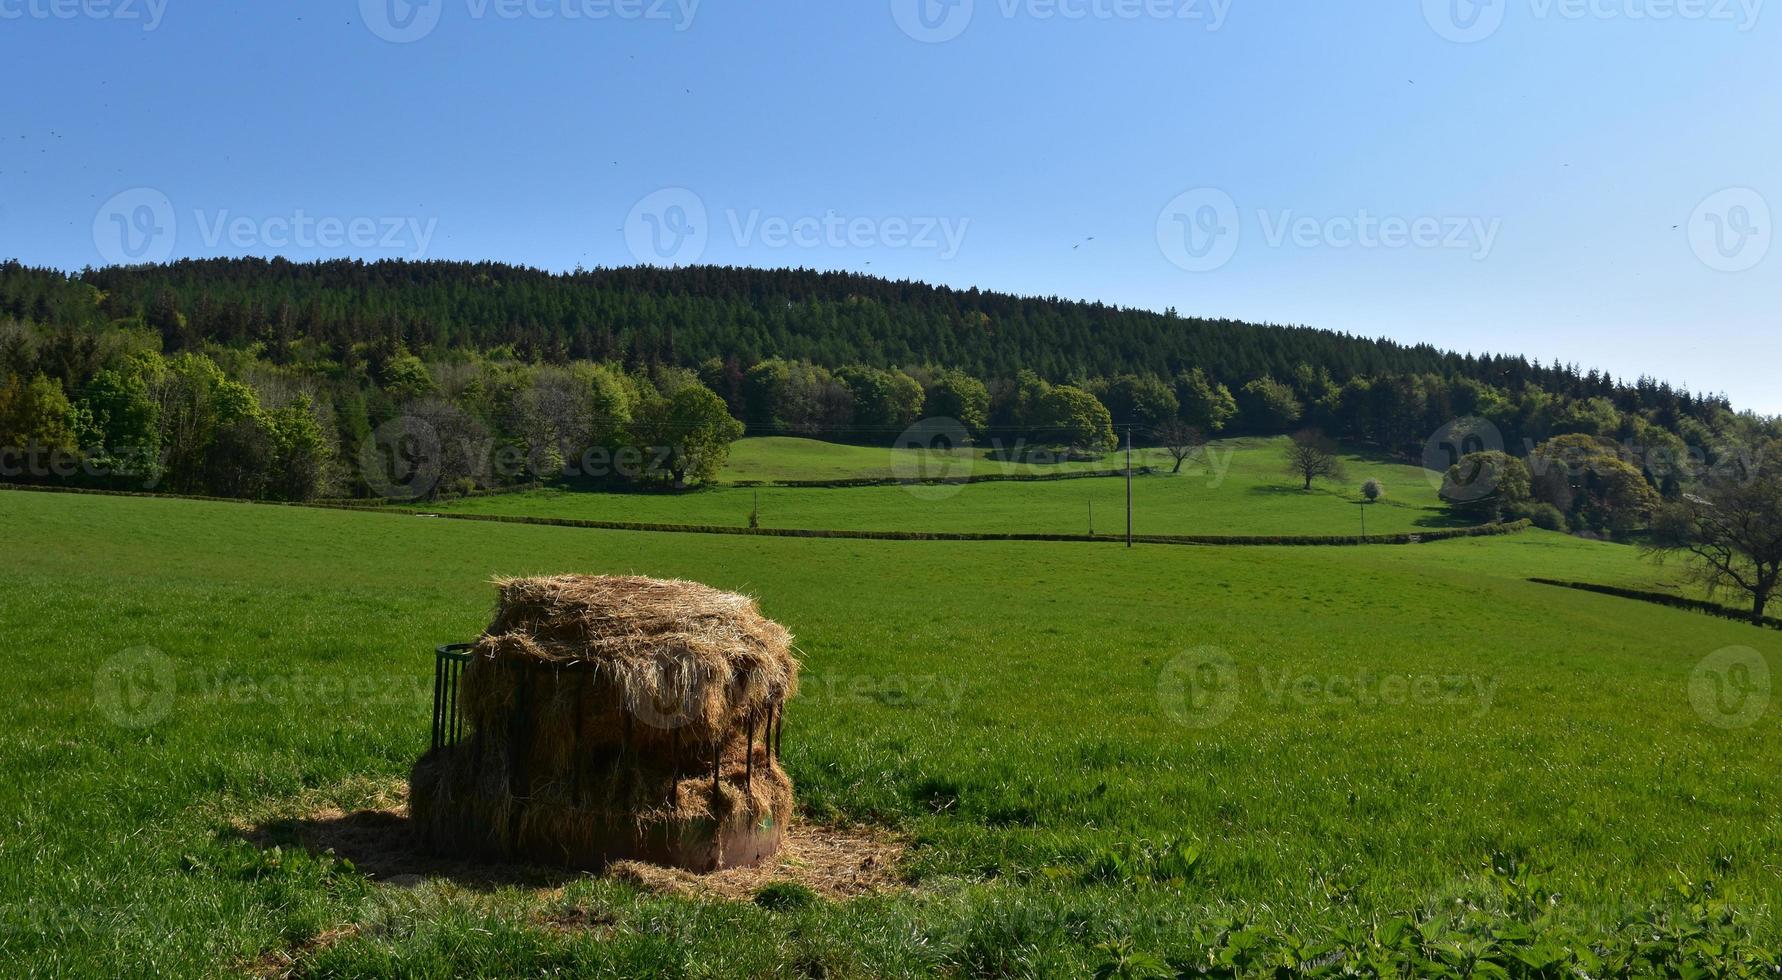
(611, 719)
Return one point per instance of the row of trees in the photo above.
(173, 423)
(1572, 482)
(275, 379)
(299, 311)
(1725, 526)
(319, 313)
(230, 421)
(227, 424)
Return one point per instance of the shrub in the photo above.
(1542, 515)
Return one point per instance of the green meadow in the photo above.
(1236, 487)
(1100, 757)
(772, 459)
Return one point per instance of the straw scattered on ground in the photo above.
(837, 863)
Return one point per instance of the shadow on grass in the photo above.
(1442, 522)
(1431, 520)
(832, 861)
(381, 845)
(1041, 458)
(1282, 490)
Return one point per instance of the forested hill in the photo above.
(266, 378)
(685, 316)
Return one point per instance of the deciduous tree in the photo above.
(1270, 406)
(1205, 404)
(953, 394)
(1486, 483)
(684, 437)
(1182, 441)
(1311, 456)
(1729, 531)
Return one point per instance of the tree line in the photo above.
(266, 378)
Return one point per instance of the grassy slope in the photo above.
(775, 458)
(1245, 491)
(1035, 737)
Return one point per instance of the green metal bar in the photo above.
(448, 665)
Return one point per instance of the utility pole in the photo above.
(1092, 518)
(1129, 486)
(1364, 518)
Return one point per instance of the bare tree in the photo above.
(1182, 441)
(1730, 531)
(1312, 457)
(558, 414)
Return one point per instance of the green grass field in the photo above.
(769, 459)
(1378, 723)
(1239, 488)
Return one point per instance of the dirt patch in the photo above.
(282, 964)
(836, 863)
(581, 921)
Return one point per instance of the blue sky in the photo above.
(1584, 179)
